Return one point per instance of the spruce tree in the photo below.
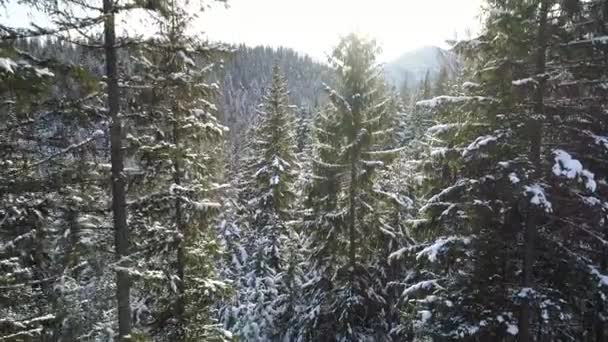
(495, 230)
(53, 231)
(263, 299)
(352, 137)
(176, 140)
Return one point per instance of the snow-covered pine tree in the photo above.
(176, 142)
(53, 232)
(347, 226)
(265, 295)
(442, 83)
(70, 18)
(573, 136)
(499, 223)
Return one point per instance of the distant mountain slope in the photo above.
(248, 72)
(413, 65)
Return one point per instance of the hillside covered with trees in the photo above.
(168, 188)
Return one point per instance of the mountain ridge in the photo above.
(412, 66)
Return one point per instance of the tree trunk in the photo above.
(181, 253)
(525, 330)
(535, 131)
(600, 307)
(352, 212)
(119, 209)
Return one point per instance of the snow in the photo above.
(425, 316)
(524, 81)
(571, 168)
(423, 285)
(594, 40)
(187, 60)
(599, 140)
(442, 128)
(430, 205)
(439, 151)
(402, 201)
(565, 165)
(30, 332)
(545, 315)
(602, 279)
(278, 163)
(478, 143)
(372, 163)
(47, 317)
(385, 152)
(7, 64)
(173, 188)
(431, 251)
(600, 40)
(450, 189)
(591, 201)
(204, 205)
(526, 292)
(399, 253)
(513, 178)
(44, 72)
(444, 99)
(538, 197)
(416, 223)
(260, 171)
(274, 180)
(512, 329)
(468, 85)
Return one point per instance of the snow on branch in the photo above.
(423, 285)
(566, 166)
(538, 197)
(7, 65)
(444, 100)
(328, 165)
(599, 140)
(602, 279)
(479, 143)
(601, 40)
(385, 152)
(460, 184)
(29, 333)
(430, 252)
(524, 81)
(402, 201)
(337, 99)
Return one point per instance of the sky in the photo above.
(315, 26)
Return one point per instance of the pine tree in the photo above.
(52, 202)
(62, 15)
(269, 271)
(176, 140)
(405, 90)
(442, 82)
(494, 256)
(348, 300)
(425, 90)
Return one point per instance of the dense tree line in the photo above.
(179, 190)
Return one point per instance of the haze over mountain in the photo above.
(413, 65)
